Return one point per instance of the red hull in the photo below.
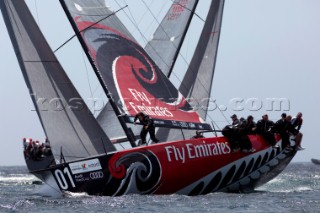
(191, 167)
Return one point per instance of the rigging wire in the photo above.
(133, 21)
(80, 31)
(201, 83)
(159, 23)
(36, 7)
(174, 46)
(199, 80)
(149, 27)
(88, 79)
(196, 14)
(143, 37)
(165, 34)
(143, 16)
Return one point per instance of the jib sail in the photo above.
(167, 40)
(197, 82)
(63, 114)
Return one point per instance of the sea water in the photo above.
(297, 189)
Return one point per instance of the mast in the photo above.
(183, 37)
(123, 124)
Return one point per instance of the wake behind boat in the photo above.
(83, 155)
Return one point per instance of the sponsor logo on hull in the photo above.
(96, 175)
(85, 166)
(81, 178)
(88, 177)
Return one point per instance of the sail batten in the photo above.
(65, 118)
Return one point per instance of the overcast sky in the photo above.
(268, 49)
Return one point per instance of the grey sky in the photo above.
(268, 49)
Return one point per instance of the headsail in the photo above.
(134, 80)
(197, 82)
(167, 39)
(65, 118)
(109, 122)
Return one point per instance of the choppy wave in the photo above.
(75, 195)
(47, 191)
(17, 176)
(18, 179)
(297, 189)
(21, 204)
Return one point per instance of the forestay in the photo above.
(65, 118)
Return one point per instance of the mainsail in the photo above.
(168, 38)
(134, 80)
(163, 49)
(66, 120)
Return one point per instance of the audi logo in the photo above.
(96, 175)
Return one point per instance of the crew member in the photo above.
(235, 120)
(148, 126)
(232, 133)
(264, 127)
(25, 143)
(251, 126)
(297, 123)
(244, 141)
(198, 135)
(285, 128)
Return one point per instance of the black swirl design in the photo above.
(140, 169)
(111, 46)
